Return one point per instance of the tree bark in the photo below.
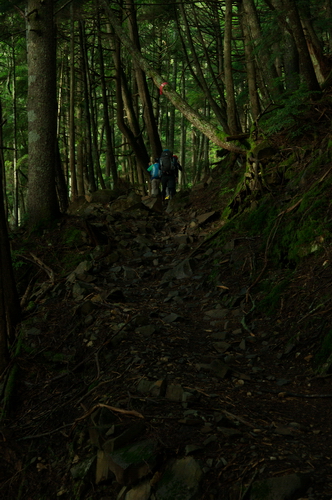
(10, 310)
(72, 163)
(250, 66)
(229, 83)
(88, 130)
(269, 75)
(132, 133)
(110, 157)
(306, 67)
(151, 126)
(320, 62)
(42, 112)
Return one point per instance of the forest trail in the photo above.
(155, 338)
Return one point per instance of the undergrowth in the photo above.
(324, 354)
(289, 114)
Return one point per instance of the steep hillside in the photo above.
(180, 352)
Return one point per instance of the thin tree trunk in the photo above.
(194, 156)
(219, 48)
(183, 138)
(229, 83)
(290, 56)
(135, 140)
(328, 7)
(84, 74)
(269, 77)
(250, 66)
(320, 61)
(151, 126)
(110, 158)
(10, 311)
(94, 128)
(60, 181)
(15, 173)
(72, 163)
(306, 67)
(172, 123)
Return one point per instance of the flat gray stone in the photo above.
(174, 392)
(221, 346)
(181, 271)
(216, 313)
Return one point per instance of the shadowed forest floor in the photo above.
(156, 326)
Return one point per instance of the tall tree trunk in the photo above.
(172, 122)
(194, 140)
(320, 62)
(290, 56)
(229, 83)
(72, 162)
(328, 7)
(215, 6)
(290, 62)
(89, 145)
(10, 311)
(306, 67)
(80, 162)
(250, 65)
(15, 173)
(110, 158)
(268, 85)
(183, 137)
(60, 181)
(134, 139)
(42, 112)
(151, 126)
(93, 114)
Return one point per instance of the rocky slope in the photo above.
(144, 369)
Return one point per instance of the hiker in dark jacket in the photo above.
(177, 166)
(168, 180)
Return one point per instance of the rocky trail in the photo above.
(146, 373)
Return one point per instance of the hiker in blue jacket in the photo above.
(154, 177)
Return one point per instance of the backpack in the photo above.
(166, 163)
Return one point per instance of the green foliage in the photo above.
(72, 236)
(17, 261)
(71, 260)
(272, 294)
(324, 353)
(287, 115)
(287, 239)
(261, 220)
(226, 190)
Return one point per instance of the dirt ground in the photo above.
(254, 405)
